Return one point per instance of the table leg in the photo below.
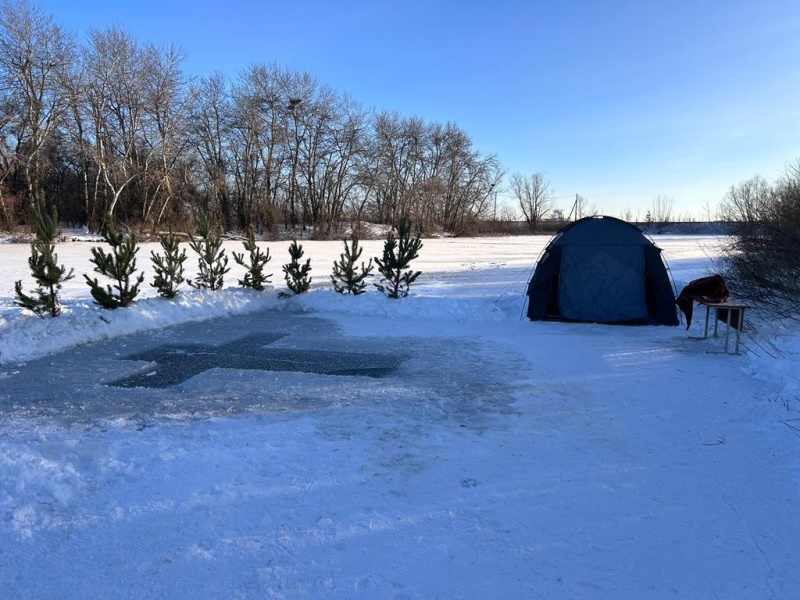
(727, 328)
(740, 324)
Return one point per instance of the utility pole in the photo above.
(574, 209)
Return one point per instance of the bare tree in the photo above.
(747, 201)
(630, 215)
(534, 196)
(258, 142)
(8, 161)
(166, 107)
(662, 209)
(334, 138)
(77, 130)
(455, 185)
(429, 171)
(394, 169)
(210, 135)
(709, 213)
(305, 121)
(348, 139)
(35, 55)
(471, 183)
(115, 102)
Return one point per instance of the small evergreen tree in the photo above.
(119, 265)
(297, 278)
(44, 267)
(169, 266)
(212, 264)
(254, 278)
(346, 278)
(394, 266)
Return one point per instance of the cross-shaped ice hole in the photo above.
(177, 363)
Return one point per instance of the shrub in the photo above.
(762, 261)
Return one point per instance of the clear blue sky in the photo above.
(616, 100)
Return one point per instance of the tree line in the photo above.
(110, 130)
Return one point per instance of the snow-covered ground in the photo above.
(496, 458)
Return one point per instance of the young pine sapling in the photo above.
(44, 266)
(347, 278)
(168, 267)
(255, 277)
(212, 263)
(118, 265)
(297, 278)
(396, 274)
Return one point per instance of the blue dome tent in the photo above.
(604, 270)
